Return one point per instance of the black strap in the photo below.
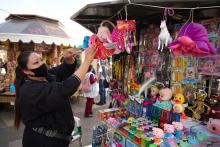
(51, 133)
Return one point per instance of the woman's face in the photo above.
(34, 61)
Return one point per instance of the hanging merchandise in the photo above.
(164, 37)
(85, 42)
(192, 40)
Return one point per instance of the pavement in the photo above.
(10, 137)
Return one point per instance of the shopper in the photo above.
(102, 92)
(92, 91)
(43, 106)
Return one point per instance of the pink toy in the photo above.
(214, 126)
(192, 40)
(158, 135)
(178, 129)
(169, 130)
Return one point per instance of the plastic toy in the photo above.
(169, 130)
(164, 36)
(199, 108)
(192, 39)
(163, 100)
(154, 91)
(214, 126)
(179, 105)
(158, 135)
(178, 129)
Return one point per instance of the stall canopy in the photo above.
(33, 28)
(92, 14)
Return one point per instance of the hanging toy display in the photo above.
(164, 37)
(192, 40)
(126, 34)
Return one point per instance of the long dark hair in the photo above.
(19, 80)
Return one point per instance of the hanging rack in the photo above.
(160, 7)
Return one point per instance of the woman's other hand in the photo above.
(90, 53)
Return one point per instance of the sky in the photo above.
(61, 10)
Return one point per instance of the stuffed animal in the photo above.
(178, 129)
(179, 106)
(164, 36)
(158, 135)
(214, 126)
(192, 40)
(163, 100)
(169, 130)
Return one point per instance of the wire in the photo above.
(161, 7)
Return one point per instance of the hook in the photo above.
(126, 13)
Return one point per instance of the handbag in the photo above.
(105, 84)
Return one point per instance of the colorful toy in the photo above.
(179, 106)
(158, 135)
(214, 126)
(154, 91)
(164, 36)
(169, 130)
(178, 129)
(163, 100)
(199, 107)
(192, 39)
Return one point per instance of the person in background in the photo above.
(101, 78)
(92, 93)
(42, 105)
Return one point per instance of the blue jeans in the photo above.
(102, 92)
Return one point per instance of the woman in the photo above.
(42, 105)
(92, 92)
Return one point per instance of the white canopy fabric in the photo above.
(27, 38)
(33, 28)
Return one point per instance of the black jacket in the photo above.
(46, 104)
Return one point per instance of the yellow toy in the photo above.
(179, 106)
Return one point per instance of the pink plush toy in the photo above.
(169, 130)
(178, 128)
(214, 126)
(158, 135)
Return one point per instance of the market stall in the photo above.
(165, 65)
(28, 32)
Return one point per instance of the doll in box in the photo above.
(151, 99)
(163, 100)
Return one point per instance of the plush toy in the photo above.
(178, 129)
(199, 107)
(163, 100)
(169, 130)
(164, 36)
(101, 51)
(214, 126)
(179, 105)
(192, 40)
(158, 135)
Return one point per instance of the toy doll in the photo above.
(163, 100)
(158, 135)
(150, 100)
(169, 130)
(178, 129)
